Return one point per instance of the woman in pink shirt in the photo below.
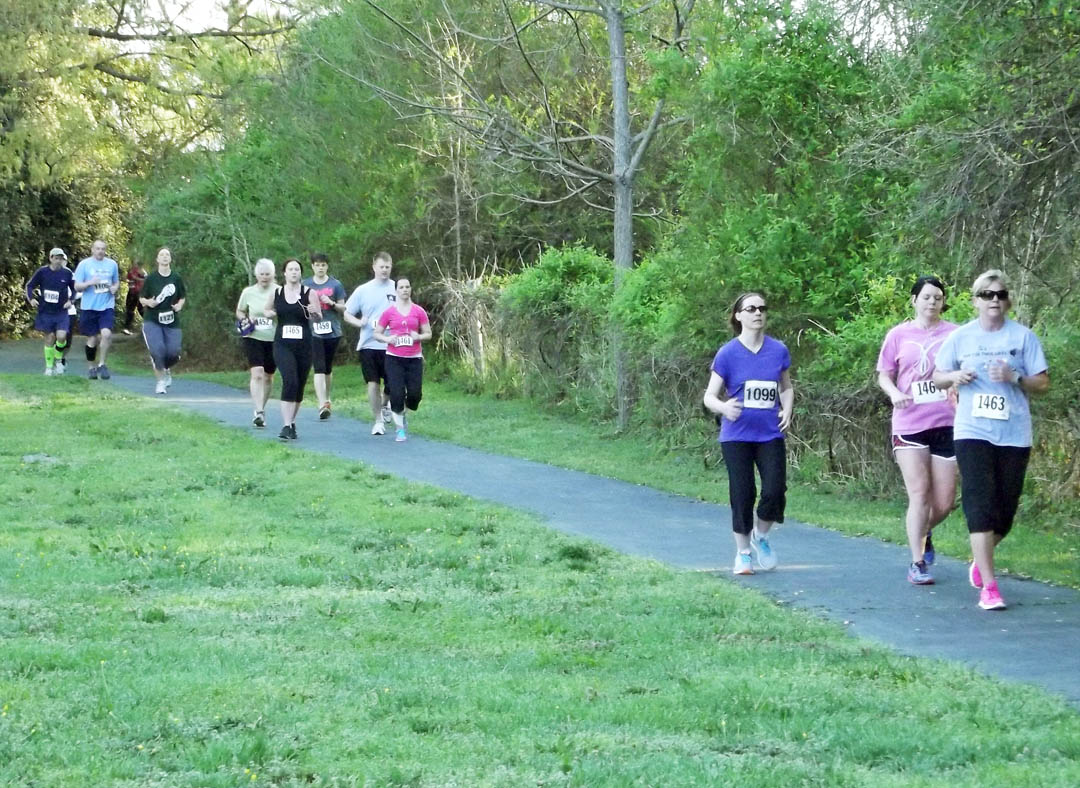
(922, 420)
(403, 327)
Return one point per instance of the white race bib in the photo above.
(101, 287)
(51, 296)
(322, 327)
(990, 406)
(924, 391)
(292, 332)
(264, 322)
(165, 318)
(403, 341)
(760, 394)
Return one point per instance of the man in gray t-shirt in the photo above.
(362, 310)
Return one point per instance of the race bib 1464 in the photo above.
(924, 391)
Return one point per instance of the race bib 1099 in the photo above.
(760, 394)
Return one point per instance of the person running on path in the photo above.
(294, 306)
(922, 420)
(326, 333)
(257, 329)
(51, 291)
(995, 363)
(404, 327)
(163, 296)
(753, 371)
(73, 314)
(136, 276)
(97, 277)
(362, 310)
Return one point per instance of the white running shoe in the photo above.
(160, 388)
(766, 558)
(48, 370)
(744, 564)
(378, 429)
(58, 367)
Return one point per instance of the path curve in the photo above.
(854, 580)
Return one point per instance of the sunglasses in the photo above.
(988, 295)
(754, 308)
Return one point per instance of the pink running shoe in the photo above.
(990, 598)
(974, 575)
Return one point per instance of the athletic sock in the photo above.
(399, 420)
(91, 353)
(61, 347)
(50, 355)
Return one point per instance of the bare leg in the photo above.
(375, 400)
(942, 489)
(915, 468)
(103, 346)
(982, 547)
(322, 387)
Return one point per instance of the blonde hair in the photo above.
(986, 277)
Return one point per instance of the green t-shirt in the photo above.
(253, 302)
(157, 285)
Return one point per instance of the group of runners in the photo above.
(296, 327)
(87, 296)
(960, 402)
(959, 393)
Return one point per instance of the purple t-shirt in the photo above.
(754, 380)
(908, 354)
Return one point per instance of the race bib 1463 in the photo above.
(990, 406)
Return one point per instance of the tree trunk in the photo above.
(624, 194)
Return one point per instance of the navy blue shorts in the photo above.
(92, 321)
(51, 322)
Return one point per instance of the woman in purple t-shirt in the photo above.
(922, 420)
(752, 372)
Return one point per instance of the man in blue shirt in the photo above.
(51, 291)
(98, 278)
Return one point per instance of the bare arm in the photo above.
(730, 408)
(787, 400)
(887, 382)
(424, 334)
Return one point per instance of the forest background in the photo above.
(578, 189)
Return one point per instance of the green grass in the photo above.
(183, 606)
(1043, 547)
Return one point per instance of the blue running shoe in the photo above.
(918, 574)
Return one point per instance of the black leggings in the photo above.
(404, 379)
(322, 354)
(770, 459)
(991, 480)
(293, 359)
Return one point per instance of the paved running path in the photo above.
(857, 581)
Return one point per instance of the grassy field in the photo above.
(1044, 549)
(183, 606)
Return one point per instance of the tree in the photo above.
(521, 94)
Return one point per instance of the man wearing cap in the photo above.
(97, 277)
(51, 291)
